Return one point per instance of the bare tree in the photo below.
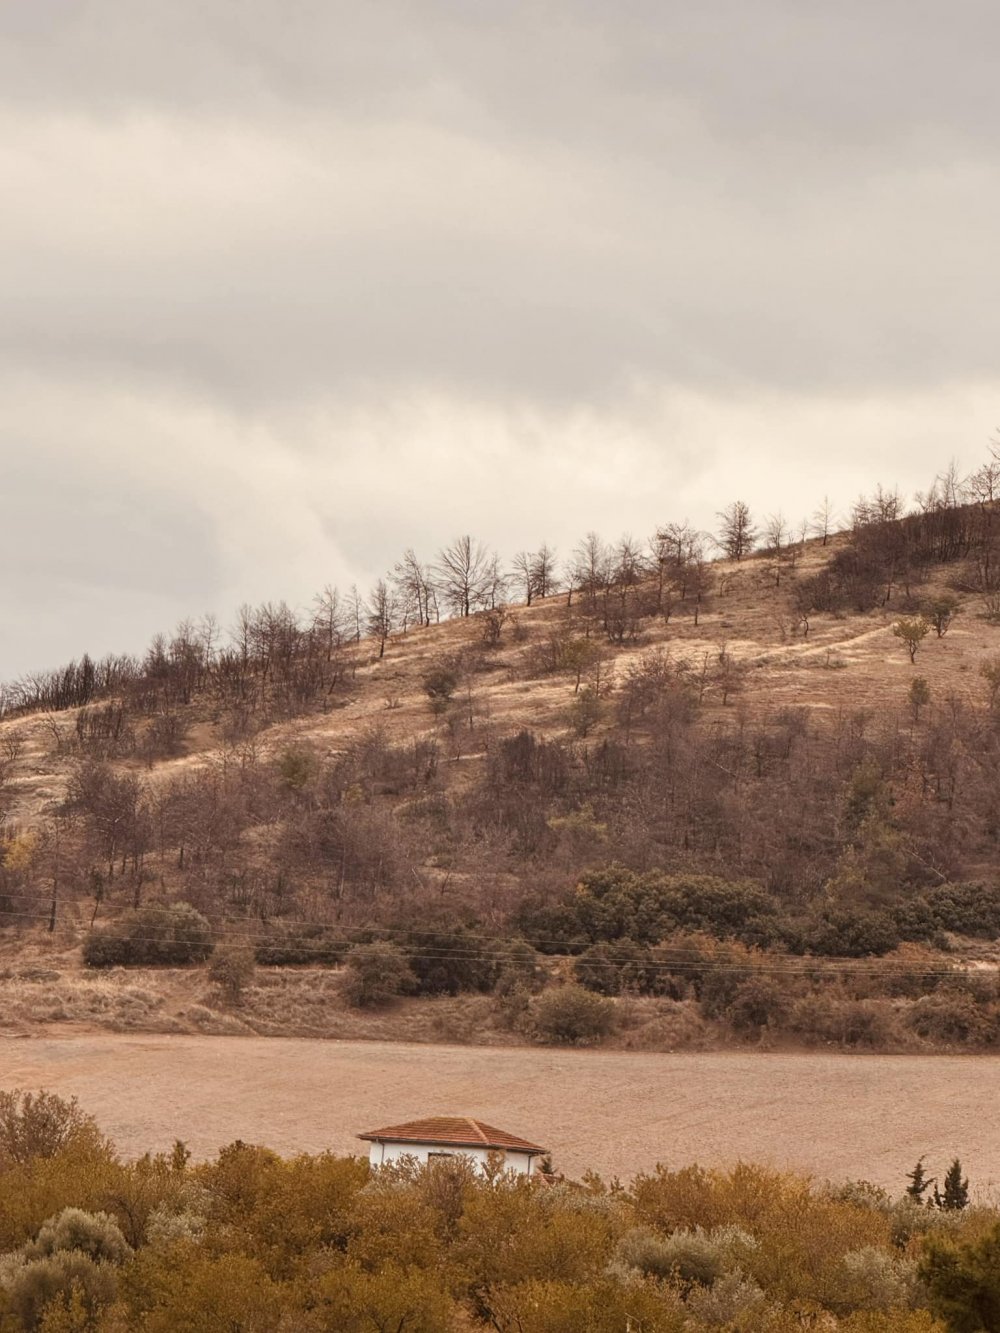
(590, 569)
(535, 571)
(776, 533)
(984, 485)
(737, 534)
(823, 520)
(355, 613)
(522, 565)
(465, 574)
(328, 619)
(671, 543)
(628, 566)
(544, 572)
(414, 589)
(495, 583)
(380, 614)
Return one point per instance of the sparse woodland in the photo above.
(640, 779)
(90, 1243)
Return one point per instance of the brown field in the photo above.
(834, 1116)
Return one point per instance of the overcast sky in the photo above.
(289, 285)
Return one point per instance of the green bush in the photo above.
(232, 968)
(846, 932)
(758, 1002)
(42, 1125)
(615, 904)
(954, 1019)
(447, 959)
(573, 1015)
(311, 945)
(96, 1235)
(166, 935)
(375, 974)
(965, 909)
(39, 1283)
(600, 968)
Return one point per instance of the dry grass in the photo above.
(848, 662)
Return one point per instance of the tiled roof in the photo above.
(452, 1131)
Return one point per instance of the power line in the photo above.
(689, 960)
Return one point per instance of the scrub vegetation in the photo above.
(90, 1243)
(742, 784)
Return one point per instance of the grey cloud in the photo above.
(289, 284)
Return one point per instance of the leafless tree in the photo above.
(823, 520)
(776, 533)
(329, 619)
(355, 613)
(495, 583)
(737, 534)
(544, 571)
(380, 614)
(464, 573)
(414, 589)
(535, 572)
(877, 509)
(522, 575)
(628, 566)
(983, 486)
(590, 569)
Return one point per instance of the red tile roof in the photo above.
(452, 1131)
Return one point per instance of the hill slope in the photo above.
(746, 749)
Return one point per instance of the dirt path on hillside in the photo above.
(836, 1116)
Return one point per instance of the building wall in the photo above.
(392, 1152)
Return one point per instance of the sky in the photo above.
(287, 286)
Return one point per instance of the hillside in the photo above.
(726, 756)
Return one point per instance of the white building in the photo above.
(451, 1136)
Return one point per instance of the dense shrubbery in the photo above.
(572, 1015)
(375, 974)
(308, 945)
(89, 1244)
(615, 906)
(168, 935)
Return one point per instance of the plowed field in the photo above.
(835, 1116)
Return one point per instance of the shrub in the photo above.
(954, 1019)
(232, 968)
(39, 1283)
(690, 1255)
(844, 932)
(312, 945)
(600, 968)
(573, 1015)
(614, 903)
(446, 960)
(41, 1124)
(376, 974)
(96, 1235)
(878, 1280)
(757, 1003)
(847, 1022)
(439, 685)
(519, 966)
(965, 909)
(165, 935)
(732, 1300)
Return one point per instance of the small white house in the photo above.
(443, 1136)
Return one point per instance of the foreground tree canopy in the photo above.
(255, 1242)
